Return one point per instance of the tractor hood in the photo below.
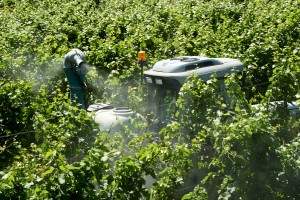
(172, 73)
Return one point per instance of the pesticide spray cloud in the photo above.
(30, 68)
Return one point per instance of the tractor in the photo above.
(164, 81)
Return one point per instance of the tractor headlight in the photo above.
(148, 80)
(158, 81)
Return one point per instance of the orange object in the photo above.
(142, 56)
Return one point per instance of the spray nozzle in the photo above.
(75, 57)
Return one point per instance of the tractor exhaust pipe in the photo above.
(75, 70)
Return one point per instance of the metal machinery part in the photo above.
(109, 118)
(172, 73)
(167, 77)
(75, 70)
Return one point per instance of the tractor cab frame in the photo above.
(166, 78)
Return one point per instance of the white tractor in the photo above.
(164, 81)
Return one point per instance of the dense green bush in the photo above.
(218, 146)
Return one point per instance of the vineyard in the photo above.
(50, 149)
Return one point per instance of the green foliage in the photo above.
(61, 135)
(241, 154)
(16, 115)
(218, 146)
(289, 176)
